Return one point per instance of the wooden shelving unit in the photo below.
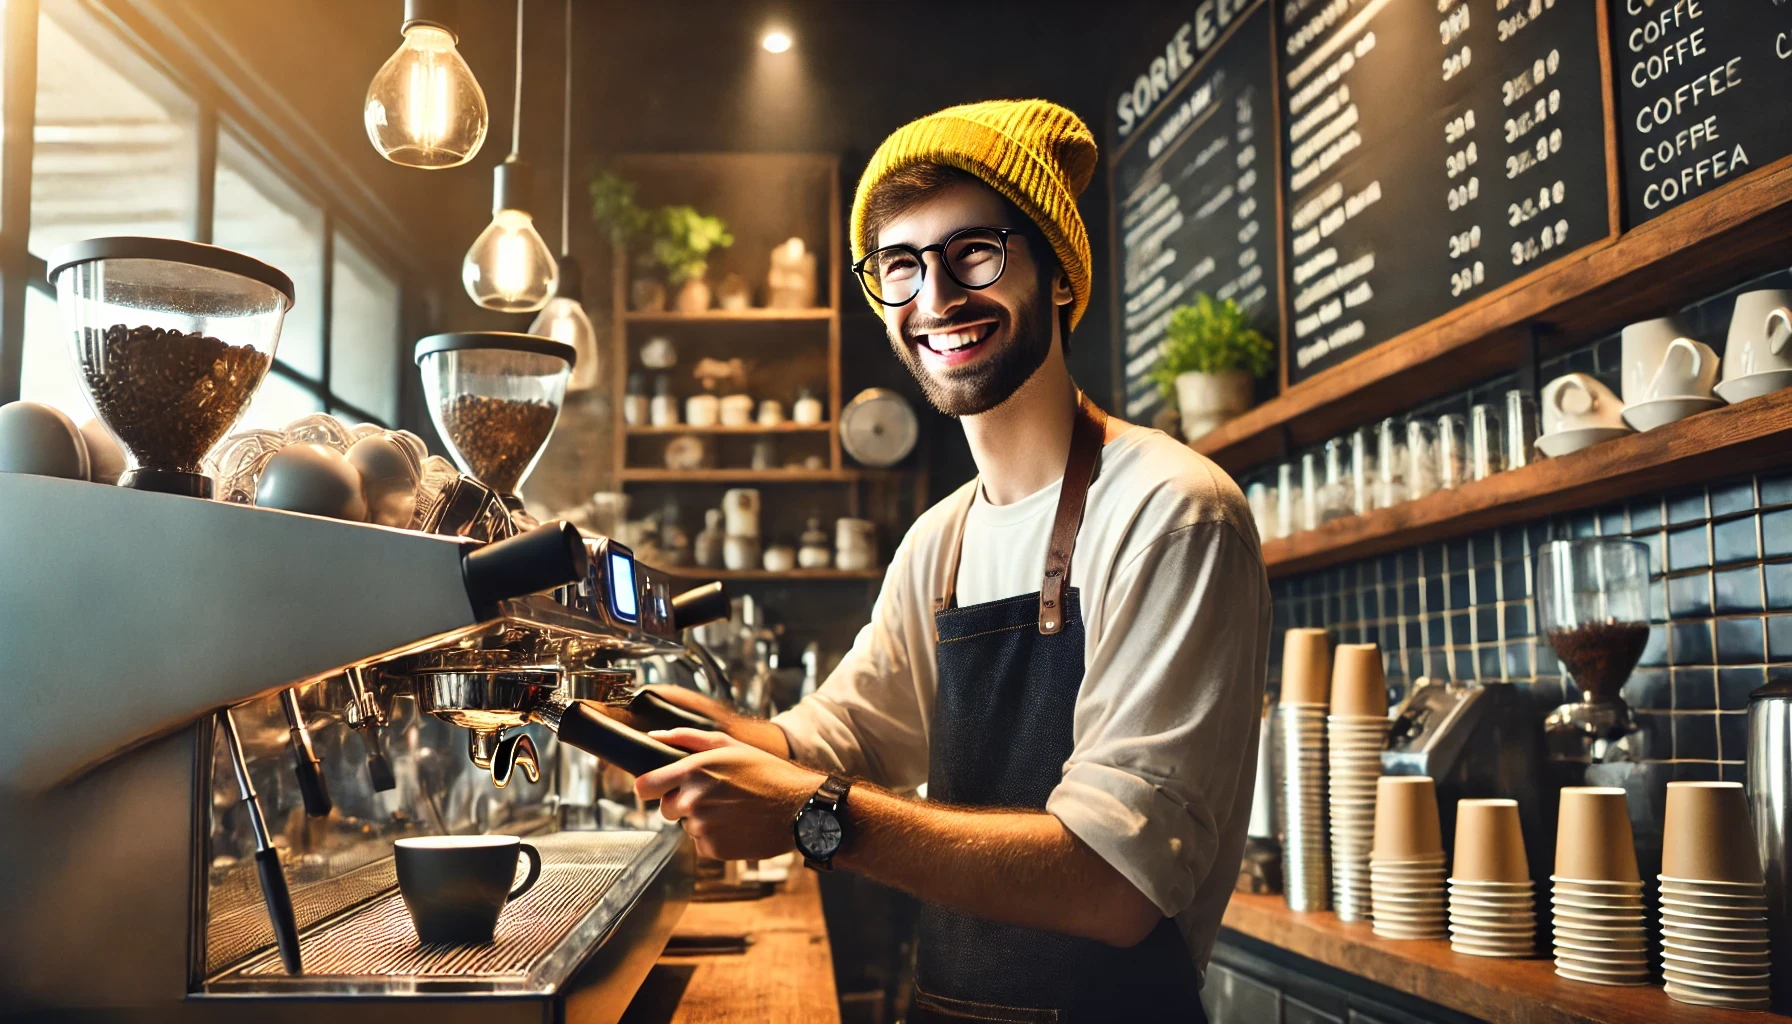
(751, 430)
(1733, 439)
(764, 198)
(768, 576)
(672, 317)
(1703, 246)
(740, 476)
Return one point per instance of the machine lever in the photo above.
(551, 555)
(700, 606)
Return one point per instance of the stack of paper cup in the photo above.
(1406, 864)
(1300, 753)
(1598, 896)
(1713, 899)
(1356, 732)
(1492, 905)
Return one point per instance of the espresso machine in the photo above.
(222, 714)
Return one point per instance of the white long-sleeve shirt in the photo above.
(1176, 628)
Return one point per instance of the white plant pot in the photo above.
(1208, 400)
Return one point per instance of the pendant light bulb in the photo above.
(564, 319)
(509, 268)
(424, 108)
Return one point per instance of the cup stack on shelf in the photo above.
(1356, 732)
(1713, 899)
(1300, 754)
(1492, 902)
(1406, 864)
(1600, 935)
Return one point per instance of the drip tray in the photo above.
(589, 881)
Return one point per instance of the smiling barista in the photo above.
(1069, 651)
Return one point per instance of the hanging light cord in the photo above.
(516, 117)
(566, 146)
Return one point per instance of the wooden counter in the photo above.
(1499, 991)
(786, 974)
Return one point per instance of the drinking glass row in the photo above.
(1400, 459)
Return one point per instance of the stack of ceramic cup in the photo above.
(1300, 765)
(1598, 896)
(1406, 864)
(1356, 732)
(1492, 904)
(1713, 899)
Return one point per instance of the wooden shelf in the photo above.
(1495, 990)
(768, 576)
(1722, 442)
(752, 428)
(1698, 248)
(741, 476)
(755, 314)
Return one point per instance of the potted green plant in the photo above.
(682, 242)
(1210, 357)
(624, 222)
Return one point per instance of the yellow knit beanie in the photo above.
(1037, 154)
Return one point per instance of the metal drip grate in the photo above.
(378, 940)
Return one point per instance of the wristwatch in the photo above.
(820, 827)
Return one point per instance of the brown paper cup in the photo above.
(1406, 820)
(1705, 833)
(1306, 667)
(1593, 838)
(1489, 842)
(1358, 686)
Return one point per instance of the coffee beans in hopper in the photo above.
(169, 396)
(497, 436)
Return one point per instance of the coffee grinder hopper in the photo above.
(172, 340)
(494, 397)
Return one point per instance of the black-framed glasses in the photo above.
(974, 258)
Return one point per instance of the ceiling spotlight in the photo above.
(776, 42)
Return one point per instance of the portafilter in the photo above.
(490, 701)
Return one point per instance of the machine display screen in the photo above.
(622, 587)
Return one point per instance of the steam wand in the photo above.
(267, 858)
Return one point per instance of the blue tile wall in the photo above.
(1464, 609)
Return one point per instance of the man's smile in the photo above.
(954, 347)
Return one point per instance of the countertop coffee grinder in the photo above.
(1592, 607)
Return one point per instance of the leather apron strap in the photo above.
(1088, 431)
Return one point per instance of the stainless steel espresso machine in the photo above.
(218, 717)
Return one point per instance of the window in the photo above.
(280, 401)
(115, 144)
(118, 150)
(256, 212)
(364, 357)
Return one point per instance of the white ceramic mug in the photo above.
(1575, 401)
(1660, 361)
(1760, 329)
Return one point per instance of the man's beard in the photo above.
(992, 380)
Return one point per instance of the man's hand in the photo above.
(735, 800)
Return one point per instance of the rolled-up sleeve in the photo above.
(1166, 720)
(866, 720)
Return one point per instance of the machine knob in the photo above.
(551, 555)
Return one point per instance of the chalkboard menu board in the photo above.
(1195, 203)
(1432, 152)
(1703, 89)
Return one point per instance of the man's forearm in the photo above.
(1017, 867)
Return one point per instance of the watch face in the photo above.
(818, 833)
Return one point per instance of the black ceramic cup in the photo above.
(456, 886)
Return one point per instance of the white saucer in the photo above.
(1754, 385)
(1562, 442)
(1652, 414)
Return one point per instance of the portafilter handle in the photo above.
(585, 727)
